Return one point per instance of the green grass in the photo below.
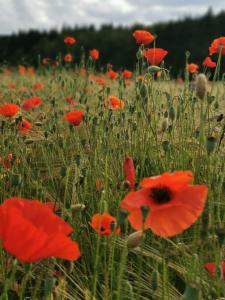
(164, 127)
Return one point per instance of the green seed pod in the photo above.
(16, 180)
(166, 146)
(122, 215)
(172, 113)
(63, 171)
(210, 144)
(216, 105)
(191, 293)
(155, 277)
(145, 211)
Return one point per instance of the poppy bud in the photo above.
(79, 207)
(38, 123)
(164, 124)
(201, 86)
(135, 239)
(153, 69)
(210, 144)
(28, 141)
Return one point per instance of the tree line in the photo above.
(116, 44)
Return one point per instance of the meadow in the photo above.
(127, 169)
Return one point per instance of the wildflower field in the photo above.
(113, 181)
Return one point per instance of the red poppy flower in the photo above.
(129, 171)
(68, 57)
(45, 61)
(216, 45)
(22, 70)
(31, 231)
(192, 68)
(115, 103)
(32, 102)
(74, 117)
(143, 37)
(112, 74)
(31, 71)
(98, 184)
(24, 127)
(211, 268)
(171, 202)
(69, 40)
(70, 100)
(155, 55)
(94, 53)
(38, 86)
(12, 85)
(102, 224)
(127, 74)
(100, 81)
(209, 63)
(109, 66)
(9, 110)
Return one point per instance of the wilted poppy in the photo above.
(155, 55)
(211, 268)
(6, 162)
(69, 40)
(143, 37)
(94, 53)
(168, 204)
(9, 110)
(104, 224)
(192, 68)
(74, 117)
(216, 45)
(127, 74)
(115, 103)
(38, 86)
(209, 63)
(112, 74)
(24, 126)
(68, 57)
(30, 231)
(129, 171)
(32, 102)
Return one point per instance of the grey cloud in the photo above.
(45, 14)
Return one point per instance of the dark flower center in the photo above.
(161, 195)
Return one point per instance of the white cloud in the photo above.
(45, 14)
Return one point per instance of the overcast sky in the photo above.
(45, 14)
